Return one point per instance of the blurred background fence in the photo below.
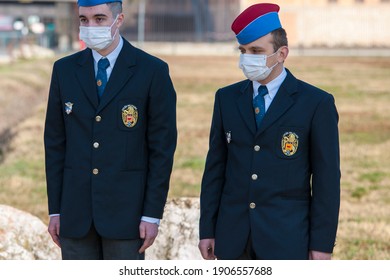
(345, 24)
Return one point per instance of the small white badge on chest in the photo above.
(228, 136)
(68, 107)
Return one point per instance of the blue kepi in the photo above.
(88, 3)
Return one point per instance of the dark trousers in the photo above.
(95, 247)
(249, 253)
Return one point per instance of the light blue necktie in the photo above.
(101, 77)
(259, 105)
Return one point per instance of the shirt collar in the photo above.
(112, 56)
(273, 86)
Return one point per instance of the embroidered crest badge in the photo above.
(129, 115)
(68, 107)
(290, 141)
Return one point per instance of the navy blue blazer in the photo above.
(109, 162)
(279, 184)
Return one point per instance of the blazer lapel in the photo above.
(123, 70)
(244, 103)
(86, 76)
(281, 103)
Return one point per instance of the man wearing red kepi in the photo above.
(271, 185)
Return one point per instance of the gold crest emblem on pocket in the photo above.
(290, 141)
(129, 115)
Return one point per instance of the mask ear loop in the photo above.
(274, 53)
(116, 31)
(277, 62)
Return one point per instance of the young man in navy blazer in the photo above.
(271, 185)
(110, 136)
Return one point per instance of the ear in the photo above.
(120, 19)
(283, 53)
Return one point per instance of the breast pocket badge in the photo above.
(129, 115)
(290, 141)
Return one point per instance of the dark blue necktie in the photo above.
(259, 105)
(101, 77)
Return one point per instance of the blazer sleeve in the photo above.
(214, 175)
(54, 142)
(325, 160)
(161, 141)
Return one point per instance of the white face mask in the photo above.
(255, 66)
(97, 37)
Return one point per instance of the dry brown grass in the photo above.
(360, 86)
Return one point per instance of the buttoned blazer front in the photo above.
(287, 204)
(98, 168)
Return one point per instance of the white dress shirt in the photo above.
(273, 87)
(112, 56)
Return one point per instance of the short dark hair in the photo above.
(115, 7)
(280, 38)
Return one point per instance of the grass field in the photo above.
(360, 86)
